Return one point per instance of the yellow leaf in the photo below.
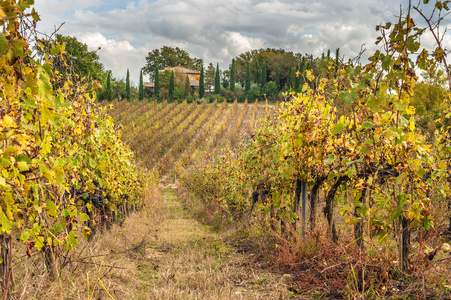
(8, 121)
(410, 110)
(77, 131)
(2, 13)
(412, 124)
(310, 76)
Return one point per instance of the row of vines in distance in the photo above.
(164, 136)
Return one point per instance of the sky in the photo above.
(216, 30)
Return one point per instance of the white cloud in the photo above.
(115, 55)
(217, 30)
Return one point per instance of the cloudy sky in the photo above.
(215, 30)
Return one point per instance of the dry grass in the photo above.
(158, 253)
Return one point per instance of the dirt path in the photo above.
(189, 261)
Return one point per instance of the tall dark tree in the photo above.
(263, 76)
(337, 55)
(187, 86)
(232, 76)
(156, 88)
(109, 92)
(141, 86)
(171, 85)
(256, 71)
(127, 86)
(201, 83)
(277, 79)
(247, 86)
(290, 77)
(217, 81)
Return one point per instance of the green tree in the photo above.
(109, 92)
(263, 76)
(201, 84)
(290, 77)
(187, 87)
(232, 76)
(170, 57)
(429, 100)
(210, 73)
(217, 80)
(84, 62)
(248, 78)
(156, 88)
(141, 86)
(277, 79)
(118, 89)
(171, 86)
(270, 89)
(127, 86)
(256, 81)
(337, 57)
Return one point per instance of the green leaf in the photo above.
(386, 62)
(24, 236)
(51, 208)
(344, 210)
(367, 125)
(59, 227)
(395, 214)
(330, 159)
(338, 128)
(3, 44)
(22, 166)
(84, 217)
(65, 213)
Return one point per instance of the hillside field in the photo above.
(166, 135)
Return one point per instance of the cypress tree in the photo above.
(127, 86)
(109, 94)
(248, 78)
(336, 59)
(171, 85)
(232, 76)
(217, 81)
(201, 83)
(328, 55)
(156, 89)
(187, 86)
(141, 86)
(256, 73)
(290, 77)
(263, 75)
(277, 79)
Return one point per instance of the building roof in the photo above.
(183, 69)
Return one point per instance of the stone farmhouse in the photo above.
(193, 76)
